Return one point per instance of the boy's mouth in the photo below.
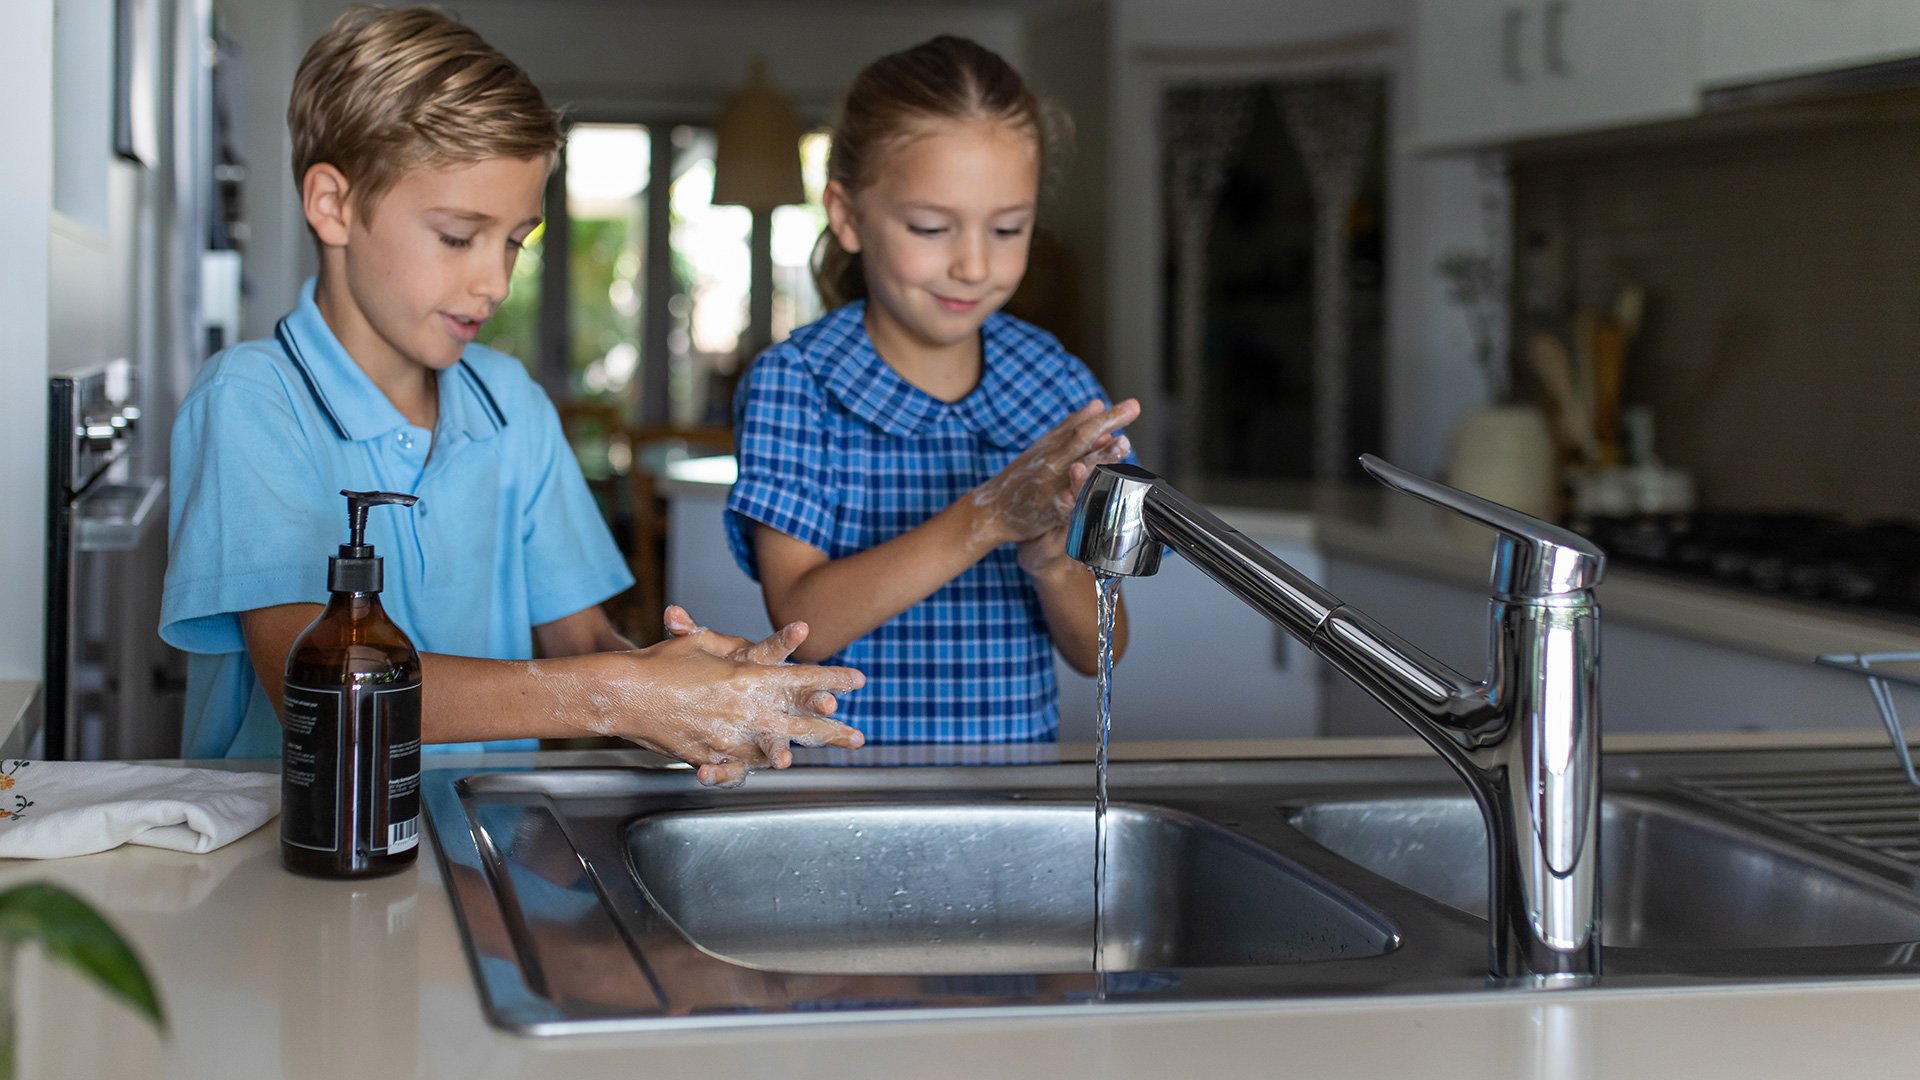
(463, 327)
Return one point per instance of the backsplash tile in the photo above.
(1781, 350)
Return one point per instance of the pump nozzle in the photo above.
(356, 568)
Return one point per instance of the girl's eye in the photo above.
(926, 230)
(456, 241)
(516, 244)
(1011, 232)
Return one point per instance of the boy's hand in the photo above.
(726, 705)
(1035, 492)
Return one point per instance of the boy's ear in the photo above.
(839, 207)
(324, 197)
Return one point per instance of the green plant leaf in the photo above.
(75, 933)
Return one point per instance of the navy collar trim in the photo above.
(292, 348)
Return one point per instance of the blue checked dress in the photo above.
(840, 452)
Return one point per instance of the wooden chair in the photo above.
(651, 448)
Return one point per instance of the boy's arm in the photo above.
(683, 698)
(584, 631)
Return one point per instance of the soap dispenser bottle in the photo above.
(350, 724)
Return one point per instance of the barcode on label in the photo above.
(403, 835)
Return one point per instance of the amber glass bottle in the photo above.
(350, 725)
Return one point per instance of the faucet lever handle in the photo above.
(1531, 557)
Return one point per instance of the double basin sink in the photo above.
(614, 899)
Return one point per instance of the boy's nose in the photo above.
(492, 281)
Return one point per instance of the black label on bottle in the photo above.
(350, 768)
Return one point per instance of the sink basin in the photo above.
(1670, 878)
(984, 887)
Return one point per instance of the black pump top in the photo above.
(357, 569)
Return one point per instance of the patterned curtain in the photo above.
(1333, 124)
(1202, 128)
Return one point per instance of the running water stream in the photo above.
(1108, 593)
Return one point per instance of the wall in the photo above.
(1781, 265)
(1429, 372)
(26, 199)
(601, 58)
(1067, 63)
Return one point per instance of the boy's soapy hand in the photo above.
(725, 705)
(1034, 494)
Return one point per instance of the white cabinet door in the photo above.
(1650, 681)
(1201, 665)
(1492, 71)
(1744, 40)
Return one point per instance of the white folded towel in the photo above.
(52, 809)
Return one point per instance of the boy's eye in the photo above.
(456, 241)
(1010, 231)
(926, 230)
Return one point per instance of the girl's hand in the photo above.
(1046, 554)
(1034, 494)
(723, 704)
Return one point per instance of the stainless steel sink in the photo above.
(982, 887)
(629, 898)
(1671, 876)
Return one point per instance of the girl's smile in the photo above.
(943, 233)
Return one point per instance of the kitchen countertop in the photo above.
(266, 974)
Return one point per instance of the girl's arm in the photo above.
(720, 704)
(847, 598)
(1068, 600)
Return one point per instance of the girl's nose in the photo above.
(970, 260)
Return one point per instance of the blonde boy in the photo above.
(421, 154)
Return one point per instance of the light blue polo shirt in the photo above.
(505, 536)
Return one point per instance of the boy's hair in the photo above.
(903, 95)
(388, 90)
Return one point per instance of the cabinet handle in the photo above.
(1513, 20)
(1556, 23)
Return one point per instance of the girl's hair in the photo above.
(901, 96)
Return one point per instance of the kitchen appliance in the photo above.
(1809, 557)
(104, 660)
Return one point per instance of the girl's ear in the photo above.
(324, 198)
(840, 216)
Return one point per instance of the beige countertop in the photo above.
(269, 975)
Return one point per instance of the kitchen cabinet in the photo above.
(1492, 71)
(1743, 41)
(1201, 665)
(1650, 680)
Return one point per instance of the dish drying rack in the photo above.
(1881, 671)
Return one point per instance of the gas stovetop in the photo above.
(1799, 556)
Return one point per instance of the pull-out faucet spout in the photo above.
(1525, 738)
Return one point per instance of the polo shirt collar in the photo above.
(359, 410)
(997, 410)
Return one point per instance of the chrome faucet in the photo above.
(1526, 738)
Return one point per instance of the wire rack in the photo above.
(1882, 670)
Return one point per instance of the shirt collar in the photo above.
(1001, 409)
(359, 410)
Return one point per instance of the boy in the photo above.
(421, 155)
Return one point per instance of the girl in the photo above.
(909, 462)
